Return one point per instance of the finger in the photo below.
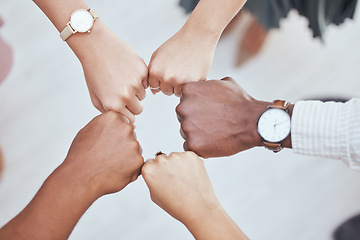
(179, 117)
(183, 135)
(160, 157)
(159, 153)
(123, 118)
(154, 82)
(129, 115)
(167, 89)
(177, 90)
(135, 106)
(145, 167)
(185, 146)
(97, 104)
(145, 82)
(141, 94)
(227, 79)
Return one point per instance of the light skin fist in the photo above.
(179, 184)
(218, 118)
(106, 154)
(186, 57)
(115, 75)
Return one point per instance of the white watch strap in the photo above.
(67, 32)
(94, 14)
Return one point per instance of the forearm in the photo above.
(54, 211)
(212, 16)
(214, 224)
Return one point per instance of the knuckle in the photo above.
(110, 116)
(191, 154)
(186, 89)
(154, 71)
(134, 178)
(125, 96)
(161, 158)
(180, 108)
(147, 169)
(112, 105)
(144, 73)
(194, 145)
(186, 126)
(139, 109)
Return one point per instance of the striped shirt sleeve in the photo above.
(329, 130)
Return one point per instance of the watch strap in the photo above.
(280, 104)
(275, 147)
(67, 32)
(94, 14)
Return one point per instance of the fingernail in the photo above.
(159, 153)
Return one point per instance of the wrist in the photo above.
(203, 214)
(75, 179)
(84, 45)
(198, 30)
(215, 223)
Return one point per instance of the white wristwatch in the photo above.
(274, 125)
(81, 21)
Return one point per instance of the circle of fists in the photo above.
(117, 77)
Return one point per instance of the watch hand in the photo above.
(280, 123)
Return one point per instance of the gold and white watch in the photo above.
(274, 125)
(81, 20)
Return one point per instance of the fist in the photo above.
(106, 154)
(179, 184)
(183, 58)
(218, 118)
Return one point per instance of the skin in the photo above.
(103, 158)
(188, 55)
(115, 75)
(219, 118)
(179, 184)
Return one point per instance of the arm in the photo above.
(218, 118)
(179, 184)
(329, 130)
(92, 169)
(116, 76)
(188, 55)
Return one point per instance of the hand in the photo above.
(186, 57)
(218, 118)
(179, 184)
(105, 154)
(116, 76)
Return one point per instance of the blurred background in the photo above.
(44, 101)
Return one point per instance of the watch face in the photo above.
(81, 20)
(274, 125)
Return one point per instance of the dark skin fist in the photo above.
(105, 154)
(218, 118)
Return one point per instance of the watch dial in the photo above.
(81, 20)
(274, 125)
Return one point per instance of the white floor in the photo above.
(44, 102)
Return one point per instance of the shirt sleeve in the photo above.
(329, 130)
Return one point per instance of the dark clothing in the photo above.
(320, 13)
